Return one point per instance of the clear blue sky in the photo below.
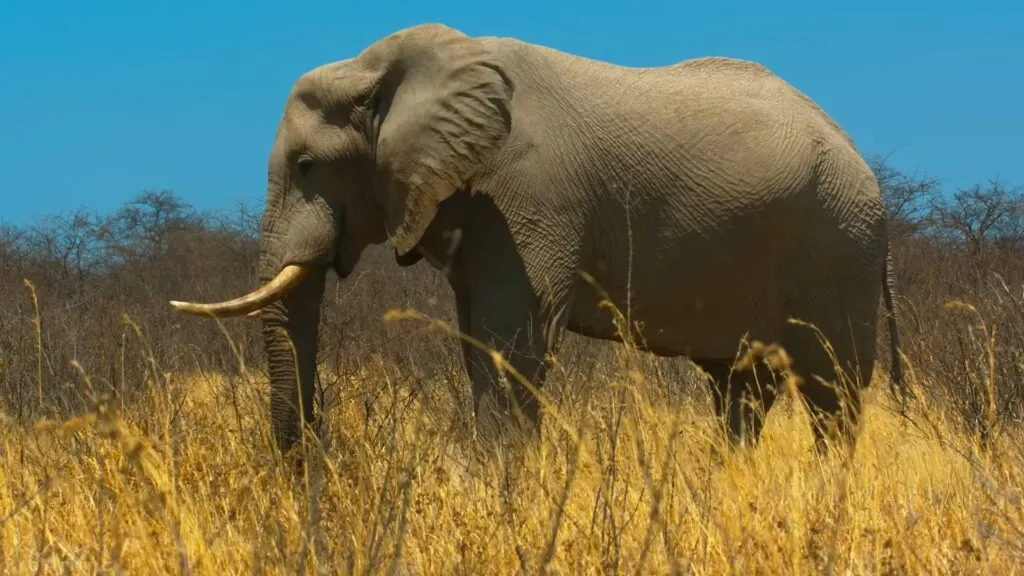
(100, 100)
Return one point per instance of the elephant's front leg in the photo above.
(523, 332)
(463, 311)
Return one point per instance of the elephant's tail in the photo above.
(889, 294)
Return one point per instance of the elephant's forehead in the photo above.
(299, 119)
(305, 131)
(297, 124)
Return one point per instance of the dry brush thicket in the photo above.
(135, 438)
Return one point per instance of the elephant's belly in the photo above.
(696, 319)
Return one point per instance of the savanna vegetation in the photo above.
(134, 439)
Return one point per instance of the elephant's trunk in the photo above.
(290, 333)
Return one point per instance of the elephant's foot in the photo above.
(506, 427)
(499, 422)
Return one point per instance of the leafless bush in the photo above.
(960, 266)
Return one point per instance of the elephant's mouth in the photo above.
(288, 278)
(344, 263)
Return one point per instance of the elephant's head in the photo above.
(365, 151)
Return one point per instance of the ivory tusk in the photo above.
(286, 279)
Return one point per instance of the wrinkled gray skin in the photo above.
(511, 165)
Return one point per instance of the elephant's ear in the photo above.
(445, 107)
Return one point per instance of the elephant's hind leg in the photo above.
(834, 376)
(742, 399)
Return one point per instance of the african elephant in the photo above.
(710, 195)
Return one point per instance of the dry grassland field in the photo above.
(631, 476)
(179, 484)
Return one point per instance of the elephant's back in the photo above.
(589, 90)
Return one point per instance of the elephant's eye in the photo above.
(305, 163)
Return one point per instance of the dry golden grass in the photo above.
(182, 482)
